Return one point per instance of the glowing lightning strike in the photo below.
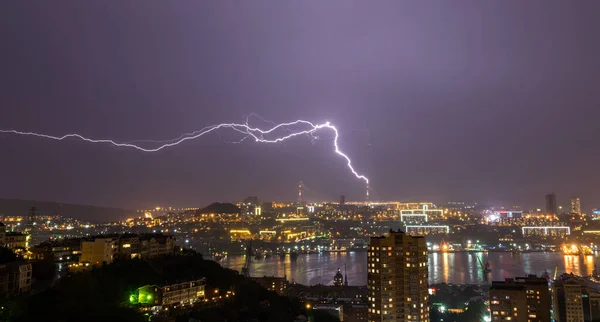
(249, 132)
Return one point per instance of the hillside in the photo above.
(220, 208)
(14, 207)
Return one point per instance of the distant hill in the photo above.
(220, 208)
(14, 207)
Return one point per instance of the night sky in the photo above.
(490, 101)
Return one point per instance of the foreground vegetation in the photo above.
(102, 294)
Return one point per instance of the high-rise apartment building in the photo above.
(397, 278)
(508, 302)
(551, 204)
(575, 206)
(575, 298)
(524, 299)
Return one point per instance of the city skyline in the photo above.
(485, 121)
(339, 160)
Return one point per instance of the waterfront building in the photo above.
(545, 231)
(420, 214)
(524, 299)
(397, 279)
(423, 230)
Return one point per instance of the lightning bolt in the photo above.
(257, 134)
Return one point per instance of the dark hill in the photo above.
(15, 207)
(220, 208)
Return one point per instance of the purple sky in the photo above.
(489, 101)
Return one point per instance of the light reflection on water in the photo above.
(456, 268)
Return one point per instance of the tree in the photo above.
(7, 255)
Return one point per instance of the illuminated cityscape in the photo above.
(275, 237)
(305, 161)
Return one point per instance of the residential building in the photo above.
(272, 283)
(98, 250)
(155, 245)
(14, 240)
(575, 206)
(64, 250)
(15, 279)
(508, 302)
(356, 313)
(524, 299)
(169, 295)
(397, 279)
(575, 298)
(129, 246)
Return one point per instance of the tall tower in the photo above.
(367, 190)
(300, 191)
(551, 204)
(575, 206)
(397, 278)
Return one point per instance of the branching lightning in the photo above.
(248, 132)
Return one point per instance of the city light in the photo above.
(546, 229)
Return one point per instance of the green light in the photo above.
(131, 298)
(149, 296)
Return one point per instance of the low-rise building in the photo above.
(155, 245)
(169, 295)
(335, 310)
(129, 246)
(272, 283)
(356, 313)
(64, 250)
(14, 240)
(98, 250)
